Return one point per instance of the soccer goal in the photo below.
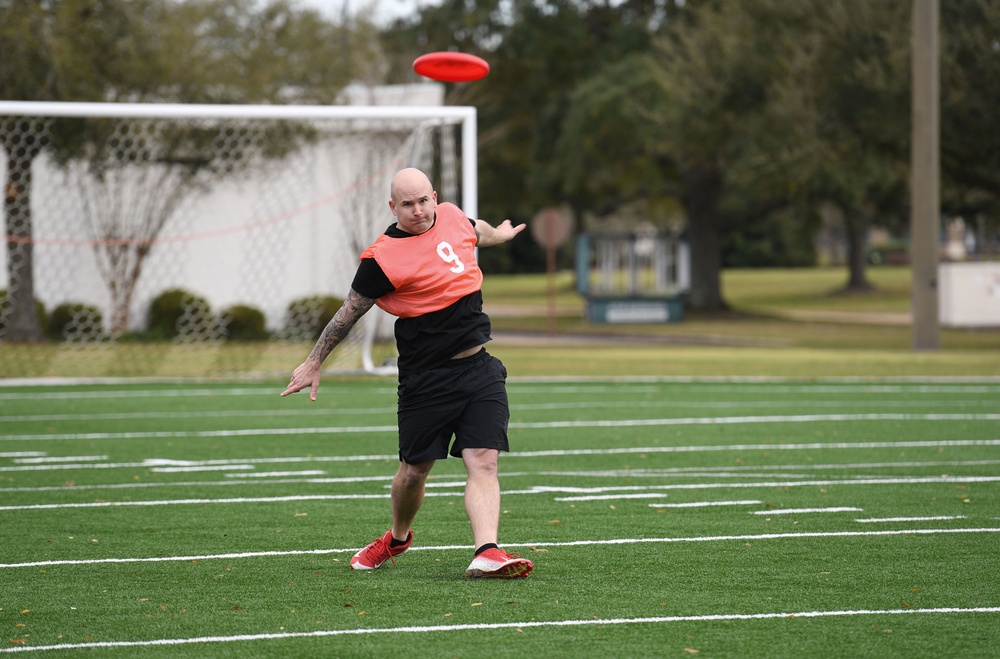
(162, 240)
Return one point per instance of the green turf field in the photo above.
(666, 517)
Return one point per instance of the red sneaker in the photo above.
(379, 551)
(498, 564)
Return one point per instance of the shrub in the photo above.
(244, 323)
(308, 316)
(74, 319)
(172, 311)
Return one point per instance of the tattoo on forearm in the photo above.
(340, 325)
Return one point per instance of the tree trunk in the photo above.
(703, 192)
(20, 321)
(856, 226)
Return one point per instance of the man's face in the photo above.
(413, 203)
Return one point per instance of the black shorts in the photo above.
(466, 398)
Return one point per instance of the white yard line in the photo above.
(528, 545)
(390, 411)
(522, 425)
(800, 511)
(935, 518)
(704, 504)
(416, 629)
(537, 489)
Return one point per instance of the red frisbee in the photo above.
(450, 66)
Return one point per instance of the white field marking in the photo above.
(700, 471)
(205, 414)
(665, 404)
(277, 474)
(22, 454)
(705, 504)
(441, 483)
(768, 382)
(136, 393)
(783, 484)
(271, 391)
(798, 511)
(181, 470)
(563, 379)
(726, 404)
(909, 519)
(527, 545)
(186, 502)
(522, 425)
(128, 486)
(612, 497)
(536, 489)
(70, 458)
(155, 462)
(323, 633)
(731, 420)
(811, 446)
(637, 473)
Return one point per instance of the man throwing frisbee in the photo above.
(423, 270)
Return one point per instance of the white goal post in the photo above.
(241, 212)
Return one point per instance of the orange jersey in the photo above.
(432, 270)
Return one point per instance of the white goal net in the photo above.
(168, 240)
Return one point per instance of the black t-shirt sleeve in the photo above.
(371, 281)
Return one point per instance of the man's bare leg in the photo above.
(407, 496)
(482, 494)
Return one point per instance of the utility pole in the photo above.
(925, 177)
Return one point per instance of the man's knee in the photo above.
(410, 476)
(481, 461)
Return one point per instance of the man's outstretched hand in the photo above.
(305, 375)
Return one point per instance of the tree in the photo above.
(970, 94)
(687, 121)
(538, 52)
(53, 50)
(207, 51)
(242, 54)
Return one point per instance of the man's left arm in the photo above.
(488, 235)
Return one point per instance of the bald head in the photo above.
(408, 182)
(413, 200)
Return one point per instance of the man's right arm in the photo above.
(340, 325)
(307, 373)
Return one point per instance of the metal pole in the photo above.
(925, 177)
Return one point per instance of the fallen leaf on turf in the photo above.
(348, 606)
(691, 651)
(540, 551)
(477, 604)
(17, 640)
(554, 521)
